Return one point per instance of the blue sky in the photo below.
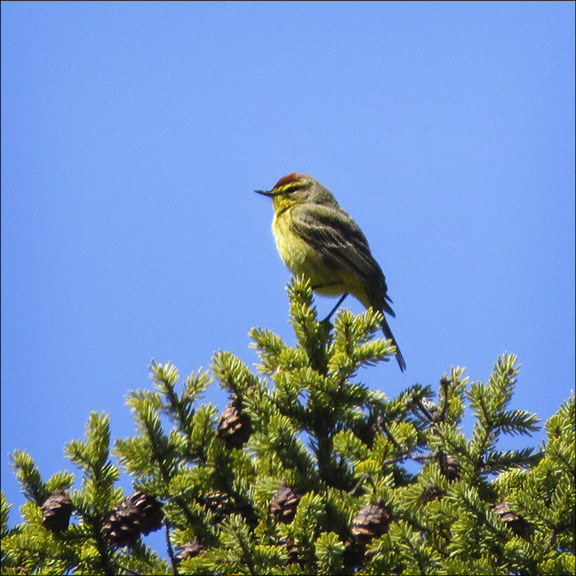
(134, 135)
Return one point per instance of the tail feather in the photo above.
(378, 301)
(390, 336)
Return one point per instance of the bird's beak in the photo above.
(270, 193)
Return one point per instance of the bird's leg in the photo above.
(327, 319)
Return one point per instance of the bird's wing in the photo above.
(340, 241)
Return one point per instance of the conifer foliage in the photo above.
(306, 471)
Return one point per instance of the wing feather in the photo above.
(340, 241)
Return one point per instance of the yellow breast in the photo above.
(302, 259)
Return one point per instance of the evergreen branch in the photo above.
(232, 374)
(499, 461)
(271, 350)
(313, 336)
(170, 549)
(28, 475)
(348, 502)
(517, 422)
(235, 528)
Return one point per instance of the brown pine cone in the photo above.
(189, 550)
(371, 521)
(293, 551)
(431, 493)
(139, 513)
(449, 466)
(234, 427)
(56, 511)
(219, 503)
(285, 502)
(516, 523)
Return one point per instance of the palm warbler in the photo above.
(317, 239)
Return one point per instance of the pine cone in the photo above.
(234, 427)
(372, 521)
(139, 513)
(284, 503)
(119, 528)
(449, 466)
(219, 503)
(150, 513)
(431, 493)
(222, 505)
(56, 511)
(516, 523)
(189, 550)
(293, 551)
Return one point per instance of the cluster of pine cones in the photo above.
(137, 514)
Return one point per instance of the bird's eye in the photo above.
(291, 188)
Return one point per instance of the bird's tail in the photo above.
(390, 336)
(379, 301)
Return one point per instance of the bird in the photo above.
(317, 239)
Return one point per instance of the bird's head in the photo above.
(295, 188)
